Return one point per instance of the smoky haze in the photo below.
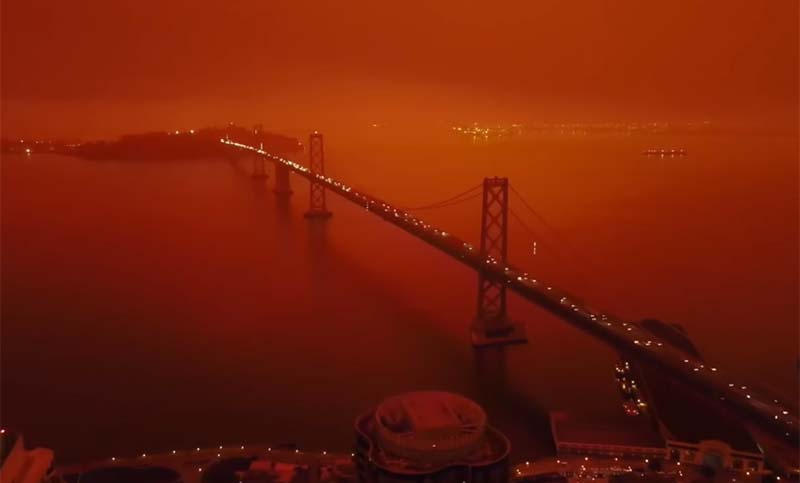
(94, 68)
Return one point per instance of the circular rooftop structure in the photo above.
(430, 425)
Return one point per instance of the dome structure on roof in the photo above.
(431, 424)
(415, 435)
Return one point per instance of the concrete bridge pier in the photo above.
(259, 167)
(493, 332)
(282, 186)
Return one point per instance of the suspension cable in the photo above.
(444, 205)
(445, 202)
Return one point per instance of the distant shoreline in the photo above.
(202, 144)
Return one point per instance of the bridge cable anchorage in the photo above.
(453, 200)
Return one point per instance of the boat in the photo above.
(665, 152)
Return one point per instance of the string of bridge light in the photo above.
(508, 272)
(466, 196)
(698, 366)
(473, 192)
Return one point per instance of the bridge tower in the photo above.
(491, 325)
(316, 161)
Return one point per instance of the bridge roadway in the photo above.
(768, 413)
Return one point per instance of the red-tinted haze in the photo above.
(92, 68)
(148, 306)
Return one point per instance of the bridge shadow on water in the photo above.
(481, 374)
(330, 268)
(328, 263)
(524, 422)
(263, 194)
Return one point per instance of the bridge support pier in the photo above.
(492, 325)
(282, 186)
(316, 158)
(259, 167)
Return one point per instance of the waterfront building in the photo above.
(633, 438)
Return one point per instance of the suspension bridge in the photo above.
(496, 276)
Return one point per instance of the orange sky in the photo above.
(91, 68)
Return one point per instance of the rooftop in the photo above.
(426, 431)
(427, 414)
(631, 432)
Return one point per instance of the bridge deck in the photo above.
(770, 414)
